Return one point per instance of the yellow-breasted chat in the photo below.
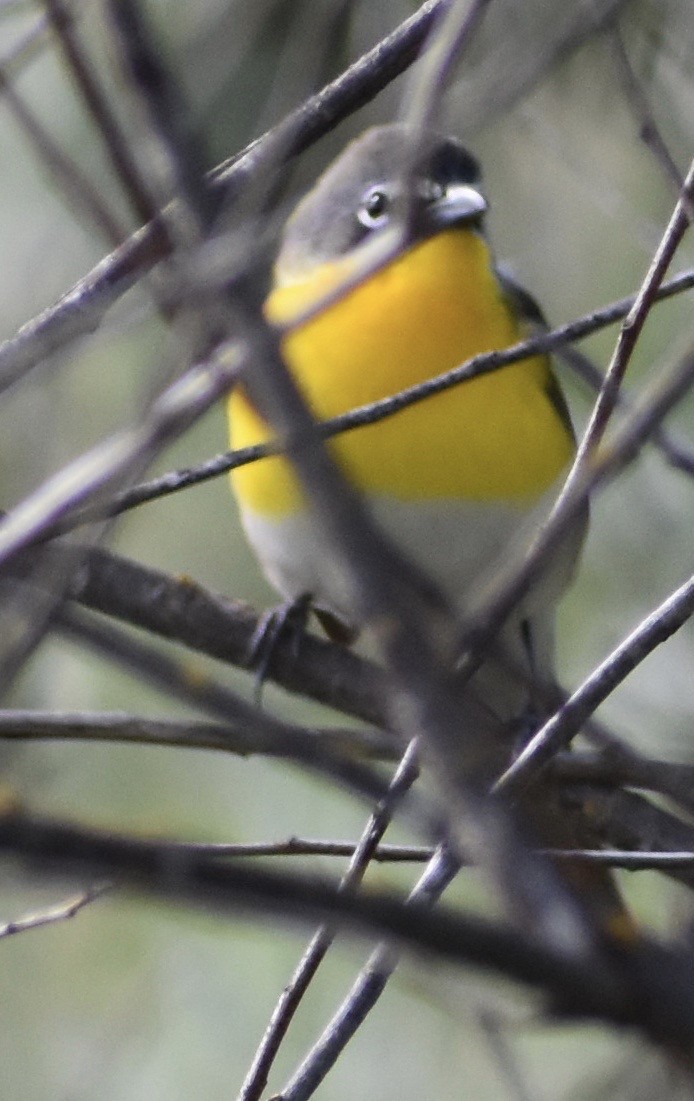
(458, 481)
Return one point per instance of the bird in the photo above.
(459, 481)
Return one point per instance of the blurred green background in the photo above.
(131, 1000)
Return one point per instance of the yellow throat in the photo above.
(498, 438)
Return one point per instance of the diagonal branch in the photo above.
(321, 942)
(558, 731)
(552, 341)
(80, 311)
(98, 103)
(649, 987)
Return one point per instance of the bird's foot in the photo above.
(285, 621)
(524, 727)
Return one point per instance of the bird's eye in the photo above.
(374, 209)
(435, 191)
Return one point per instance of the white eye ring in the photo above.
(433, 191)
(375, 208)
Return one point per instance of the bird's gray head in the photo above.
(370, 185)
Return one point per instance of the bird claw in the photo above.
(288, 619)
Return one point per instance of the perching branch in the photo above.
(650, 988)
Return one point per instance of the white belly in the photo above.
(461, 545)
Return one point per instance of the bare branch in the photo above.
(620, 990)
(61, 911)
(645, 415)
(676, 451)
(301, 846)
(558, 731)
(80, 310)
(641, 109)
(366, 990)
(629, 335)
(445, 50)
(70, 179)
(97, 101)
(242, 740)
(183, 611)
(321, 941)
(174, 410)
(293, 742)
(183, 176)
(553, 340)
(621, 766)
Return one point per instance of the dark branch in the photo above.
(649, 987)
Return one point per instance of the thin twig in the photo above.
(625, 820)
(627, 340)
(125, 729)
(592, 465)
(22, 52)
(627, 860)
(99, 104)
(640, 108)
(173, 411)
(302, 846)
(677, 453)
(61, 911)
(506, 1060)
(365, 992)
(300, 744)
(514, 71)
(151, 867)
(638, 425)
(621, 766)
(353, 89)
(174, 481)
(180, 172)
(649, 987)
(290, 999)
(69, 177)
(445, 50)
(80, 310)
(558, 731)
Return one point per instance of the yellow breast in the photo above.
(496, 438)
